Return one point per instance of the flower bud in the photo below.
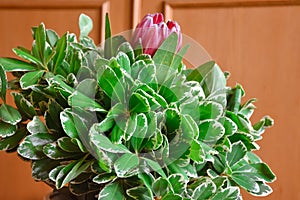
(152, 31)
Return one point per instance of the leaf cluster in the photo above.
(123, 125)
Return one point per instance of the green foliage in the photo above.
(127, 126)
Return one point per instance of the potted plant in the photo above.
(129, 121)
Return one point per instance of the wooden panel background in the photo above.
(256, 40)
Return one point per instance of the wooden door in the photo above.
(256, 40)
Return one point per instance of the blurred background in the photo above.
(258, 41)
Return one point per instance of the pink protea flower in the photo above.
(152, 31)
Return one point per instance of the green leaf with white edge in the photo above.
(77, 99)
(36, 126)
(147, 178)
(54, 172)
(109, 82)
(247, 108)
(42, 168)
(61, 52)
(165, 53)
(196, 152)
(58, 83)
(147, 74)
(12, 65)
(7, 129)
(68, 121)
(70, 172)
(136, 67)
(40, 41)
(52, 114)
(130, 127)
(189, 127)
(106, 124)
(68, 145)
(204, 191)
(219, 163)
(253, 158)
(158, 98)
(32, 146)
(52, 37)
(76, 62)
(82, 121)
(242, 123)
(156, 141)
(223, 144)
(173, 119)
(140, 132)
(210, 110)
(85, 25)
(3, 83)
(87, 87)
(176, 63)
(155, 166)
(116, 41)
(124, 62)
(138, 103)
(80, 145)
(190, 170)
(125, 164)
(234, 98)
(177, 182)
(264, 190)
(27, 56)
(24, 106)
(9, 114)
(219, 96)
(139, 193)
(30, 79)
(13, 141)
(210, 77)
(171, 196)
(103, 160)
(176, 169)
(53, 151)
(104, 178)
(230, 193)
(229, 125)
(111, 191)
(238, 152)
(160, 187)
(220, 181)
(212, 174)
(256, 171)
(151, 123)
(210, 131)
(245, 182)
(117, 134)
(103, 142)
(246, 138)
(188, 108)
(127, 48)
